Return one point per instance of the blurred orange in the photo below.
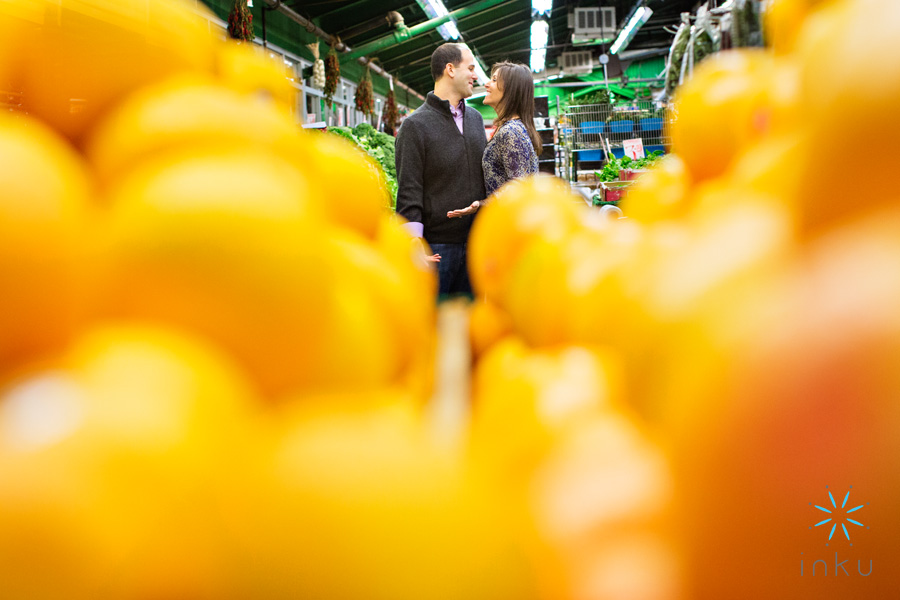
(406, 255)
(574, 290)
(233, 246)
(97, 52)
(227, 244)
(525, 400)
(811, 388)
(182, 112)
(109, 456)
(659, 194)
(850, 93)
(720, 109)
(354, 191)
(784, 20)
(358, 504)
(601, 504)
(488, 324)
(46, 230)
(524, 210)
(246, 68)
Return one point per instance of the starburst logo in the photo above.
(838, 516)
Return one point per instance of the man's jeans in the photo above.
(453, 274)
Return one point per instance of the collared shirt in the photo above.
(458, 111)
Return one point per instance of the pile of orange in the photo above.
(739, 328)
(217, 344)
(215, 338)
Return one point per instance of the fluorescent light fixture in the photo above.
(640, 16)
(538, 58)
(539, 32)
(435, 9)
(541, 7)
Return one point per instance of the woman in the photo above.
(514, 148)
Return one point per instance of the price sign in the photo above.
(634, 148)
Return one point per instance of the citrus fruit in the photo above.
(846, 119)
(718, 110)
(520, 212)
(364, 492)
(354, 190)
(182, 112)
(98, 52)
(232, 246)
(525, 400)
(247, 69)
(46, 229)
(488, 324)
(109, 455)
(661, 193)
(810, 388)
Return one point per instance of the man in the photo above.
(438, 156)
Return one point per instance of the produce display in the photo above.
(740, 326)
(379, 145)
(221, 359)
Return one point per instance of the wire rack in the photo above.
(587, 132)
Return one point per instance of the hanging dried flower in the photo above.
(240, 22)
(391, 115)
(332, 74)
(365, 99)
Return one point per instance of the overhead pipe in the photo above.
(419, 29)
(305, 23)
(330, 39)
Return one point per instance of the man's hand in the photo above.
(469, 210)
(434, 258)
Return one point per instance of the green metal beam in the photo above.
(416, 30)
(613, 88)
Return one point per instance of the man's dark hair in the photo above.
(445, 53)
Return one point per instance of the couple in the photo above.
(445, 166)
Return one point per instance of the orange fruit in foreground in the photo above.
(721, 109)
(46, 221)
(81, 57)
(232, 246)
(524, 210)
(183, 112)
(364, 492)
(354, 191)
(488, 324)
(525, 400)
(110, 457)
(246, 68)
(811, 391)
(661, 193)
(849, 93)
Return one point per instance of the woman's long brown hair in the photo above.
(517, 85)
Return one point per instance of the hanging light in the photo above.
(539, 34)
(640, 16)
(435, 9)
(541, 8)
